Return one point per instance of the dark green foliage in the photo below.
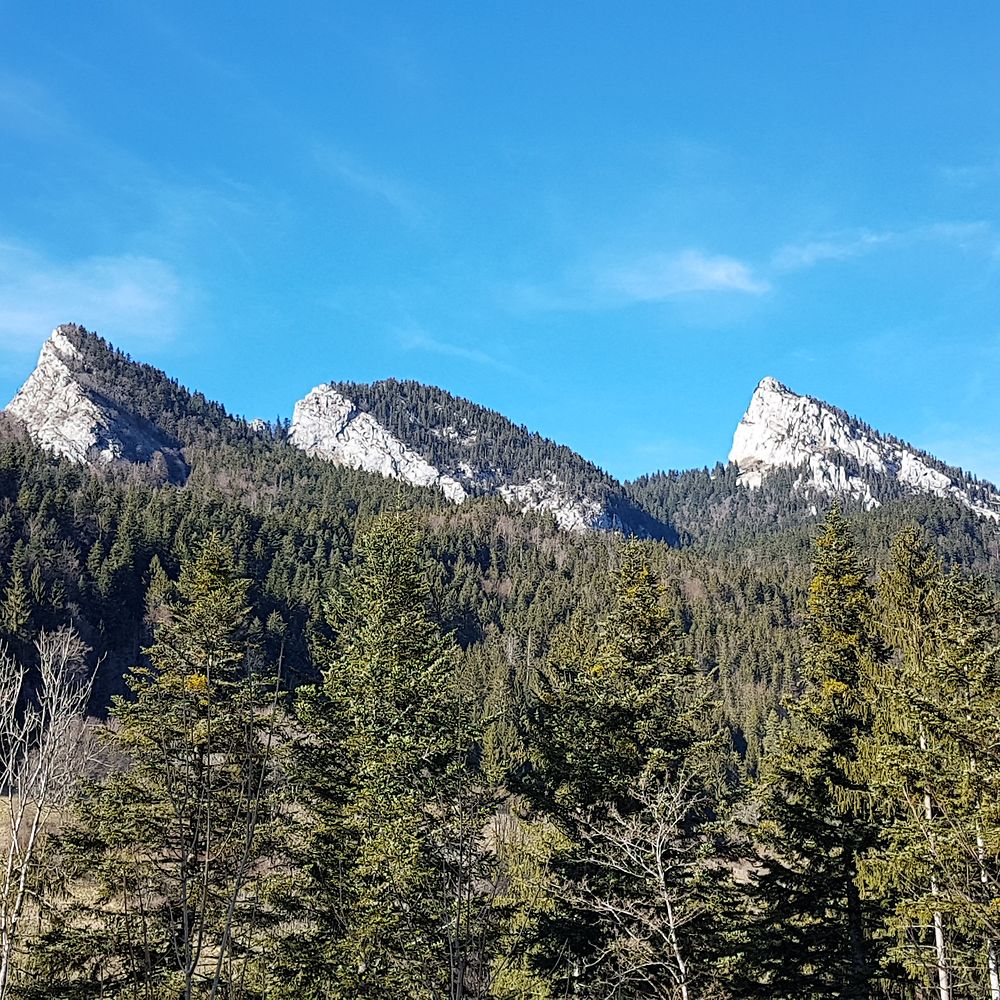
(456, 435)
(455, 672)
(173, 841)
(628, 759)
(394, 819)
(815, 936)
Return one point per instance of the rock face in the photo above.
(572, 512)
(64, 412)
(330, 426)
(840, 455)
(441, 441)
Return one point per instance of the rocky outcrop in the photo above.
(329, 425)
(572, 512)
(839, 455)
(65, 413)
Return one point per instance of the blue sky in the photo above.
(608, 221)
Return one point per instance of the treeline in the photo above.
(592, 834)
(83, 547)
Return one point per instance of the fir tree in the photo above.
(936, 758)
(626, 767)
(16, 608)
(393, 828)
(174, 843)
(815, 935)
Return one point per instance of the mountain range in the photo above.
(90, 403)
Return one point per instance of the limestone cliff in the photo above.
(64, 411)
(839, 454)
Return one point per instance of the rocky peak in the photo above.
(329, 425)
(841, 455)
(427, 437)
(64, 412)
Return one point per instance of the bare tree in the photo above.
(43, 741)
(648, 882)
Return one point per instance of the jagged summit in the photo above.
(329, 425)
(839, 454)
(90, 403)
(64, 410)
(429, 437)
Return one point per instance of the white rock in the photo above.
(64, 414)
(572, 512)
(329, 425)
(784, 430)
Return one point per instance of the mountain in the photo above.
(66, 410)
(92, 404)
(428, 437)
(111, 473)
(836, 454)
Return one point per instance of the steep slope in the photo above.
(837, 454)
(329, 425)
(426, 436)
(64, 409)
(90, 402)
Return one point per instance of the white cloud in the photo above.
(846, 245)
(796, 256)
(370, 182)
(664, 276)
(415, 340)
(125, 297)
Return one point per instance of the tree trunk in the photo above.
(858, 989)
(940, 956)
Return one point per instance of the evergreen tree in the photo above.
(905, 753)
(626, 767)
(935, 755)
(394, 824)
(173, 844)
(815, 935)
(16, 609)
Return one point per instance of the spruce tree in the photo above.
(393, 820)
(16, 608)
(907, 761)
(815, 936)
(169, 848)
(627, 754)
(936, 758)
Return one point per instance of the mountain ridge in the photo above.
(428, 436)
(836, 453)
(92, 403)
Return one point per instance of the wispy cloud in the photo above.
(371, 182)
(648, 278)
(972, 175)
(417, 340)
(795, 256)
(846, 245)
(665, 276)
(125, 297)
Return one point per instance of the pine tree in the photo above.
(394, 822)
(15, 612)
(627, 756)
(815, 935)
(173, 844)
(907, 759)
(935, 756)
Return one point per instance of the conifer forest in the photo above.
(499, 500)
(293, 730)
